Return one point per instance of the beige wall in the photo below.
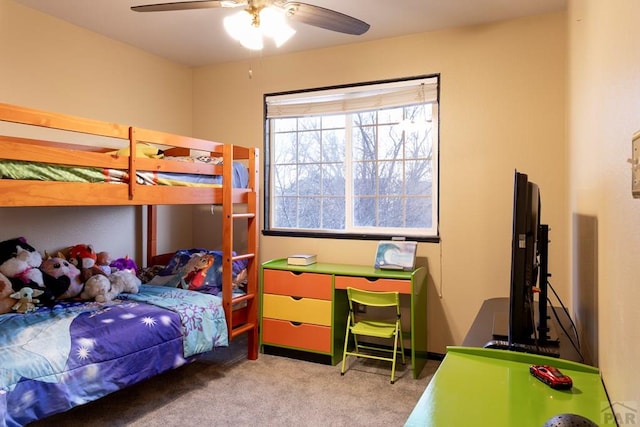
(502, 107)
(51, 65)
(604, 94)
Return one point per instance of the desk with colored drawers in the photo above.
(305, 308)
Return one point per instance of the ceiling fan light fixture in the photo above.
(240, 27)
(252, 39)
(273, 24)
(236, 25)
(249, 29)
(284, 34)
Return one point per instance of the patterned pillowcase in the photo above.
(175, 275)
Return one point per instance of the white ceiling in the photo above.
(197, 37)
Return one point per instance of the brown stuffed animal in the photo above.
(103, 259)
(6, 302)
(26, 299)
(84, 257)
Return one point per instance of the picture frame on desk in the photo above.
(396, 255)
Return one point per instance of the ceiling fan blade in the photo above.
(187, 5)
(325, 18)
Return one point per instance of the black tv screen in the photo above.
(524, 259)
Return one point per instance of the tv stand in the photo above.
(542, 350)
(543, 249)
(500, 331)
(481, 331)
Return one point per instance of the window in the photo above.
(354, 161)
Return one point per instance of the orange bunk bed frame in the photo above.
(241, 312)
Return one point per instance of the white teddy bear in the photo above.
(96, 287)
(106, 288)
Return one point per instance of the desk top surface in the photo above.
(342, 269)
(475, 386)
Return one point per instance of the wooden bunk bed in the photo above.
(239, 202)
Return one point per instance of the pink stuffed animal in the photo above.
(67, 275)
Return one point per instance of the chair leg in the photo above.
(395, 355)
(402, 345)
(346, 344)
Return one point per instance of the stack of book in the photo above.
(301, 259)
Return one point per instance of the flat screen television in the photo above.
(528, 320)
(525, 327)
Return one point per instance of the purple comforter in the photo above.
(54, 359)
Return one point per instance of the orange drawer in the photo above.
(374, 284)
(302, 336)
(306, 285)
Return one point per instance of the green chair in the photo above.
(359, 326)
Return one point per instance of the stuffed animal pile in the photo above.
(28, 281)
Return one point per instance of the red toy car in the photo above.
(551, 376)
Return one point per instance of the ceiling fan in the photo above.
(267, 17)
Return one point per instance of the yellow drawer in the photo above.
(309, 285)
(304, 310)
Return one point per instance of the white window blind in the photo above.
(353, 99)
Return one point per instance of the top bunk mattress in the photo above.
(37, 171)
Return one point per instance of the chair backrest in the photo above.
(373, 299)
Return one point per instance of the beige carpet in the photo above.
(224, 389)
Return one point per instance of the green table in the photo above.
(488, 387)
(412, 285)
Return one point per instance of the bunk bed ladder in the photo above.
(246, 320)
